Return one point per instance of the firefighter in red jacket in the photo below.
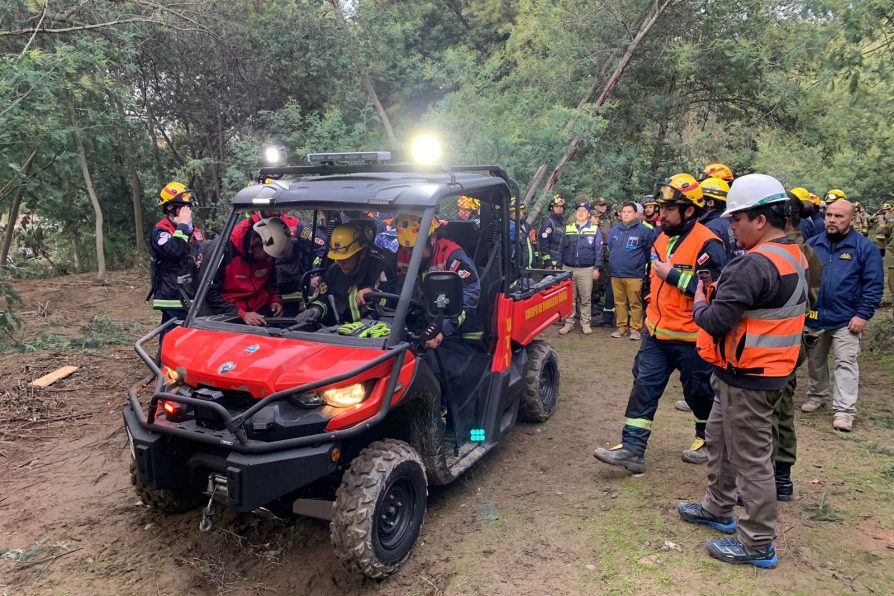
(176, 247)
(245, 282)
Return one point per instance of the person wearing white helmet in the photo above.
(245, 281)
(750, 323)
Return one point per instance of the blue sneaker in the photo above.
(730, 550)
(695, 514)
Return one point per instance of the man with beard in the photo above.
(684, 248)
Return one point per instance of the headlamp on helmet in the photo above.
(345, 242)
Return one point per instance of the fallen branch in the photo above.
(50, 559)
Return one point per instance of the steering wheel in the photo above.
(305, 284)
(432, 328)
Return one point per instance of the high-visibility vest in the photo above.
(669, 314)
(767, 340)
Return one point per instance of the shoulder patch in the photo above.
(163, 238)
(703, 258)
(463, 274)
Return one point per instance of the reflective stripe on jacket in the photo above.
(583, 247)
(669, 314)
(767, 340)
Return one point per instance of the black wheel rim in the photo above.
(395, 514)
(549, 391)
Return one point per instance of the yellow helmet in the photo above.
(802, 194)
(715, 188)
(408, 228)
(345, 242)
(886, 207)
(680, 189)
(469, 203)
(174, 193)
(814, 199)
(835, 195)
(718, 170)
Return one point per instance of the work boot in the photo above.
(618, 334)
(621, 456)
(811, 405)
(566, 329)
(785, 489)
(697, 454)
(694, 513)
(681, 405)
(730, 550)
(842, 422)
(635, 336)
(586, 328)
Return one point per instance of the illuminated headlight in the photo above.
(344, 397)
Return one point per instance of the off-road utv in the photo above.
(294, 421)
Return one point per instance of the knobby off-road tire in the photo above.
(166, 501)
(379, 508)
(541, 383)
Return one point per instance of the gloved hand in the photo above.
(308, 316)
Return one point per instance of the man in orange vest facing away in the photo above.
(684, 247)
(750, 324)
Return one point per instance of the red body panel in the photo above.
(520, 321)
(265, 365)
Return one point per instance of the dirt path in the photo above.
(538, 516)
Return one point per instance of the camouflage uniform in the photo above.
(884, 239)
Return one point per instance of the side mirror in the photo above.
(442, 294)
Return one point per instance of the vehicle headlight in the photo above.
(344, 397)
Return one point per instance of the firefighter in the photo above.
(467, 209)
(245, 281)
(819, 215)
(683, 248)
(834, 195)
(527, 238)
(307, 251)
(176, 247)
(715, 190)
(603, 293)
(651, 211)
(750, 326)
(552, 234)
(807, 227)
(456, 353)
(862, 221)
(356, 271)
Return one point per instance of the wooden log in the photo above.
(49, 379)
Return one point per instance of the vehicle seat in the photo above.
(464, 233)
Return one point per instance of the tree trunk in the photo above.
(91, 191)
(649, 21)
(136, 186)
(364, 75)
(68, 198)
(14, 212)
(532, 188)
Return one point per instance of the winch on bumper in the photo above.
(254, 480)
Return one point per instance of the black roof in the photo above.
(391, 188)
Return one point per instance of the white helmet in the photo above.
(274, 235)
(753, 190)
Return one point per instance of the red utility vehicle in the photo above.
(295, 421)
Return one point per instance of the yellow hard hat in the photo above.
(718, 170)
(835, 195)
(468, 203)
(715, 188)
(802, 194)
(680, 189)
(886, 207)
(814, 199)
(174, 191)
(345, 242)
(408, 228)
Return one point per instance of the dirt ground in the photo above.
(538, 516)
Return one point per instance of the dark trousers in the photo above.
(785, 444)
(740, 445)
(652, 368)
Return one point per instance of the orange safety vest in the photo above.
(766, 341)
(669, 314)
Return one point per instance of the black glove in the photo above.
(311, 315)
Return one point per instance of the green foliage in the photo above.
(9, 322)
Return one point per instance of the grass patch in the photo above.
(822, 512)
(96, 333)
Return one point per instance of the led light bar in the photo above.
(350, 156)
